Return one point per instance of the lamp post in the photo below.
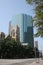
(36, 51)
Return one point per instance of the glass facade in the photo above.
(26, 27)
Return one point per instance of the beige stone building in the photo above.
(14, 32)
(2, 35)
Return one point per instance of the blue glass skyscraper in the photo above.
(26, 27)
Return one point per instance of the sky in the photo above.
(9, 8)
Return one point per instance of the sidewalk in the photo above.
(37, 63)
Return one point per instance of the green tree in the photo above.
(2, 45)
(10, 49)
(38, 19)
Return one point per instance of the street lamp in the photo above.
(36, 51)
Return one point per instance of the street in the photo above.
(16, 61)
(21, 62)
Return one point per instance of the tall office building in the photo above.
(26, 27)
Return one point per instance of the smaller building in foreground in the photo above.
(15, 32)
(2, 35)
(36, 44)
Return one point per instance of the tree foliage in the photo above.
(10, 49)
(38, 19)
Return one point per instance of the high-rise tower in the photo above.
(26, 27)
